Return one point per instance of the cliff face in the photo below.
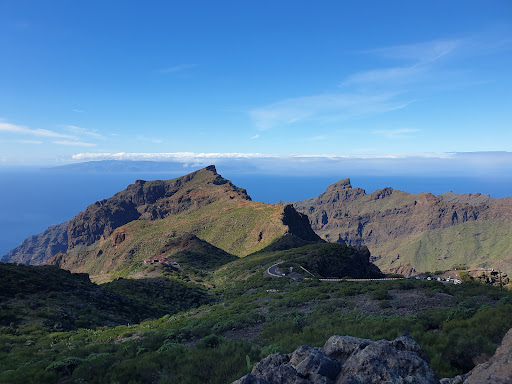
(400, 228)
(39, 248)
(150, 200)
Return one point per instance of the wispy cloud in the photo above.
(400, 133)
(363, 93)
(316, 138)
(177, 68)
(83, 131)
(74, 143)
(420, 52)
(29, 141)
(257, 136)
(327, 107)
(77, 110)
(20, 129)
(420, 58)
(153, 140)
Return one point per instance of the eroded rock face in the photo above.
(386, 219)
(347, 360)
(39, 248)
(498, 370)
(143, 200)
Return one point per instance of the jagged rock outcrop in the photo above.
(347, 360)
(401, 228)
(351, 360)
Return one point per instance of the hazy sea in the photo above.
(31, 200)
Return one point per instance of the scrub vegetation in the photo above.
(60, 327)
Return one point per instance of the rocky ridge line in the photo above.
(351, 216)
(143, 200)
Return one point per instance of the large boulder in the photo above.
(351, 360)
(346, 360)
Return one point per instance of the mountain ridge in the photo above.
(395, 225)
(141, 221)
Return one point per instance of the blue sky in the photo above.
(269, 81)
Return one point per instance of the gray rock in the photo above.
(498, 370)
(251, 379)
(380, 362)
(407, 343)
(270, 362)
(347, 360)
(341, 347)
(308, 361)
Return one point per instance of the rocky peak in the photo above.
(150, 200)
(341, 184)
(298, 224)
(142, 200)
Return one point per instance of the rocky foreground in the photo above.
(351, 360)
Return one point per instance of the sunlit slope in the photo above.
(222, 218)
(484, 244)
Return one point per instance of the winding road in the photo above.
(272, 271)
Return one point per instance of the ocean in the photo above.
(32, 199)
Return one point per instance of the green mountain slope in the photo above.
(52, 298)
(219, 220)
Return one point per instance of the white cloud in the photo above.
(365, 93)
(74, 143)
(201, 156)
(397, 75)
(255, 137)
(421, 59)
(83, 131)
(29, 141)
(317, 138)
(78, 110)
(420, 52)
(432, 164)
(19, 129)
(327, 107)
